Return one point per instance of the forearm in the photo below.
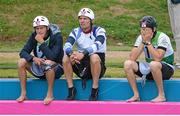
(156, 54)
(136, 52)
(68, 46)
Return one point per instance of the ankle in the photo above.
(136, 95)
(94, 91)
(49, 96)
(71, 93)
(161, 96)
(94, 94)
(70, 89)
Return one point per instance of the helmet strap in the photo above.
(154, 34)
(47, 34)
(91, 23)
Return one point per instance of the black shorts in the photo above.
(83, 70)
(167, 72)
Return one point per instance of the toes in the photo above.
(48, 101)
(133, 99)
(159, 99)
(21, 99)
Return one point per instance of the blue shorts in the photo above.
(38, 71)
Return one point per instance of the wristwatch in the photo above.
(146, 42)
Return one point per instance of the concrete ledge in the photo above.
(110, 89)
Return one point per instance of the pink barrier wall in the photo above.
(87, 107)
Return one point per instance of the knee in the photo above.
(154, 65)
(94, 59)
(128, 64)
(22, 63)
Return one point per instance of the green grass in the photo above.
(119, 18)
(119, 48)
(8, 68)
(112, 71)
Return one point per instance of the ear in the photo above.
(48, 28)
(92, 20)
(154, 29)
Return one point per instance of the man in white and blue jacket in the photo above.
(46, 43)
(88, 62)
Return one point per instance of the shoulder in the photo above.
(163, 36)
(32, 35)
(54, 29)
(76, 30)
(163, 40)
(98, 29)
(138, 41)
(139, 38)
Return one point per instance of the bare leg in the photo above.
(130, 67)
(22, 64)
(95, 63)
(95, 69)
(50, 75)
(157, 75)
(68, 71)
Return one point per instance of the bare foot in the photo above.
(21, 99)
(48, 100)
(159, 99)
(133, 99)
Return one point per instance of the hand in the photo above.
(79, 56)
(38, 61)
(40, 38)
(72, 59)
(76, 57)
(147, 34)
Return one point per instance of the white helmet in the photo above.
(86, 12)
(40, 20)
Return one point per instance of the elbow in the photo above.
(132, 57)
(20, 54)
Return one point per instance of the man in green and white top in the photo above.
(159, 56)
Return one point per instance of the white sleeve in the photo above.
(138, 41)
(163, 41)
(101, 31)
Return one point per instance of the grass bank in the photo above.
(120, 18)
